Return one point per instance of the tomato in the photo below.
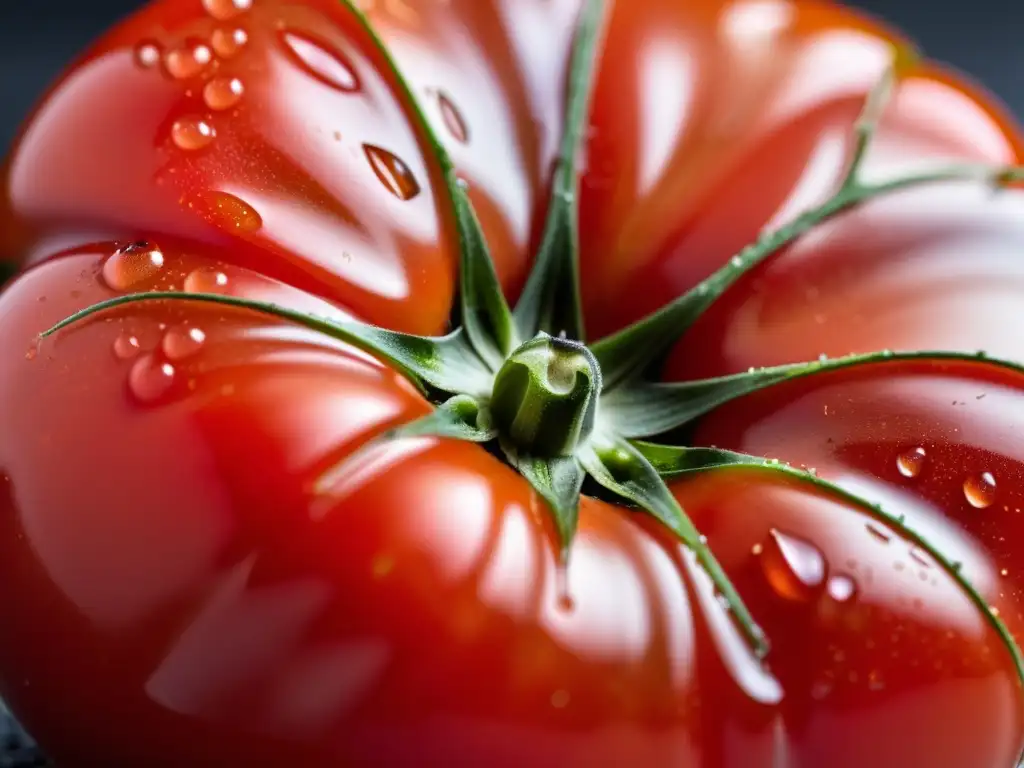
(207, 559)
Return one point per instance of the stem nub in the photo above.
(544, 401)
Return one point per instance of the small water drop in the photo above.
(328, 66)
(188, 61)
(206, 280)
(392, 172)
(147, 54)
(226, 211)
(878, 532)
(226, 9)
(133, 265)
(794, 568)
(150, 379)
(223, 92)
(179, 343)
(842, 589)
(192, 133)
(228, 42)
(980, 490)
(126, 346)
(911, 462)
(453, 119)
(736, 262)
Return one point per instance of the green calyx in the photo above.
(526, 380)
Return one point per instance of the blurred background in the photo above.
(37, 39)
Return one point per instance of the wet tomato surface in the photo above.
(198, 568)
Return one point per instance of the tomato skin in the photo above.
(208, 588)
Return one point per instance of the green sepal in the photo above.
(550, 300)
(645, 409)
(673, 462)
(447, 363)
(485, 314)
(558, 481)
(460, 418)
(621, 468)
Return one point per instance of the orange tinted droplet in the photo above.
(132, 266)
(328, 66)
(911, 462)
(980, 490)
(206, 280)
(187, 61)
(224, 210)
(392, 172)
(150, 379)
(147, 55)
(126, 346)
(192, 133)
(794, 568)
(453, 119)
(179, 343)
(226, 9)
(228, 42)
(223, 92)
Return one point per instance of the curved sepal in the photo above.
(460, 418)
(446, 363)
(558, 481)
(550, 301)
(624, 470)
(645, 409)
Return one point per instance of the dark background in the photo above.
(982, 37)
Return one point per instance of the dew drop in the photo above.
(980, 490)
(126, 346)
(150, 379)
(842, 589)
(226, 9)
(879, 533)
(206, 280)
(133, 265)
(392, 172)
(228, 42)
(224, 210)
(794, 567)
(329, 67)
(147, 54)
(911, 462)
(223, 92)
(453, 119)
(179, 343)
(187, 61)
(192, 133)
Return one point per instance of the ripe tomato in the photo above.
(187, 578)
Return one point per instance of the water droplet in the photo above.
(560, 699)
(33, 351)
(126, 346)
(206, 280)
(453, 119)
(392, 172)
(736, 262)
(327, 66)
(794, 567)
(147, 54)
(980, 490)
(224, 210)
(182, 342)
(131, 266)
(911, 462)
(875, 680)
(188, 61)
(920, 557)
(223, 92)
(226, 9)
(228, 42)
(192, 133)
(842, 588)
(150, 379)
(878, 532)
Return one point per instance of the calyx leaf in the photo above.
(558, 480)
(460, 418)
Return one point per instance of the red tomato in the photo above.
(187, 579)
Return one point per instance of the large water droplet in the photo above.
(188, 61)
(453, 119)
(794, 568)
(911, 462)
(150, 379)
(329, 67)
(392, 172)
(126, 346)
(223, 92)
(147, 54)
(181, 342)
(226, 9)
(192, 133)
(228, 42)
(206, 280)
(132, 266)
(227, 211)
(980, 490)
